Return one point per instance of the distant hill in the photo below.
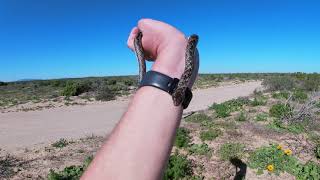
(23, 80)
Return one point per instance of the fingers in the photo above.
(131, 37)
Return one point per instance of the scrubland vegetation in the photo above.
(105, 89)
(109, 88)
(273, 134)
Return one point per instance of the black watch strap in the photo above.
(165, 83)
(160, 81)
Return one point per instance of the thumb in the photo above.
(131, 37)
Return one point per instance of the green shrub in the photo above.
(3, 83)
(312, 82)
(259, 101)
(58, 83)
(281, 95)
(129, 82)
(318, 105)
(231, 150)
(111, 81)
(310, 170)
(299, 95)
(296, 128)
(60, 144)
(224, 109)
(314, 137)
(279, 83)
(70, 172)
(105, 94)
(200, 149)
(178, 167)
(317, 151)
(261, 117)
(209, 135)
(280, 110)
(198, 118)
(7, 165)
(241, 117)
(182, 138)
(257, 93)
(74, 89)
(273, 155)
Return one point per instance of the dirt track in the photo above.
(25, 129)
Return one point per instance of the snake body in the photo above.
(179, 93)
(140, 55)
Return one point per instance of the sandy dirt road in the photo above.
(26, 129)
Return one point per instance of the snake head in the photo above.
(178, 97)
(193, 39)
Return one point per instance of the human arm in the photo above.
(139, 146)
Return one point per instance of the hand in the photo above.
(165, 45)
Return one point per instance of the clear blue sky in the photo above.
(42, 39)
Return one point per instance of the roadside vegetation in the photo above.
(272, 134)
(79, 91)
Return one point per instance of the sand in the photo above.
(32, 128)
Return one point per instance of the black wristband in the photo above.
(160, 81)
(165, 83)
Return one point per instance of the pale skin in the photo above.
(140, 144)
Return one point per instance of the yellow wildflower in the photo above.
(279, 147)
(270, 167)
(288, 152)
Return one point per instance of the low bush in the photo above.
(257, 93)
(317, 151)
(259, 101)
(70, 172)
(281, 95)
(279, 83)
(295, 128)
(198, 118)
(74, 89)
(224, 109)
(312, 82)
(275, 159)
(230, 151)
(280, 110)
(318, 105)
(310, 170)
(210, 134)
(261, 117)
(58, 83)
(3, 83)
(60, 144)
(7, 165)
(182, 138)
(299, 95)
(241, 117)
(179, 167)
(200, 149)
(271, 156)
(105, 94)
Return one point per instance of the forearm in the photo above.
(148, 129)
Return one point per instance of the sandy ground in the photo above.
(27, 129)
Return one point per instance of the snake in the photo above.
(190, 53)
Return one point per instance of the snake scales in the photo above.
(179, 93)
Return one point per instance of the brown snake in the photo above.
(179, 93)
